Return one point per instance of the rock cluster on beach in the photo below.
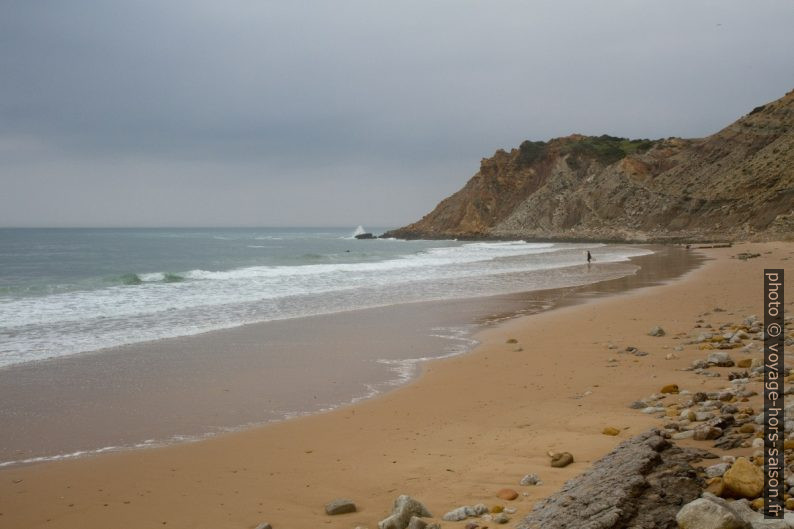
(700, 468)
(727, 421)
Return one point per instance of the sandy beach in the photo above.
(469, 426)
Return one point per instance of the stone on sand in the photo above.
(530, 479)
(744, 479)
(507, 494)
(705, 513)
(404, 508)
(562, 459)
(340, 506)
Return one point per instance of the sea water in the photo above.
(69, 291)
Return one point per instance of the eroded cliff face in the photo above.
(735, 184)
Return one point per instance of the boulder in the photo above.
(416, 523)
(703, 513)
(507, 494)
(744, 479)
(404, 508)
(656, 331)
(340, 506)
(563, 459)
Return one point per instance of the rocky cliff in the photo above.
(735, 184)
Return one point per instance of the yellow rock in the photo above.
(670, 388)
(744, 362)
(512, 340)
(610, 430)
(788, 444)
(715, 486)
(705, 347)
(757, 504)
(497, 509)
(790, 504)
(744, 479)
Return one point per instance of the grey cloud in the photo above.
(300, 99)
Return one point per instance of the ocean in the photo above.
(70, 291)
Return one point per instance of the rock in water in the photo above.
(563, 459)
(642, 483)
(656, 331)
(404, 508)
(704, 513)
(744, 479)
(340, 506)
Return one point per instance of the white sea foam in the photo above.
(164, 305)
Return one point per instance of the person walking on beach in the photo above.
(589, 257)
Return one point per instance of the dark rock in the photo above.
(699, 397)
(365, 236)
(340, 506)
(633, 486)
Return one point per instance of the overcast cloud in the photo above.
(258, 112)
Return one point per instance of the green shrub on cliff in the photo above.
(607, 149)
(530, 151)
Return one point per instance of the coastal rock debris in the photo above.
(405, 507)
(562, 459)
(340, 506)
(642, 483)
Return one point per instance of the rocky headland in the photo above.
(737, 184)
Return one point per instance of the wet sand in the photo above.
(467, 427)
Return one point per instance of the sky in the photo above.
(340, 113)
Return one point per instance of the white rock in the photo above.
(404, 508)
(715, 471)
(456, 515)
(530, 479)
(703, 513)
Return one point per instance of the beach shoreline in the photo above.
(468, 426)
(191, 388)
